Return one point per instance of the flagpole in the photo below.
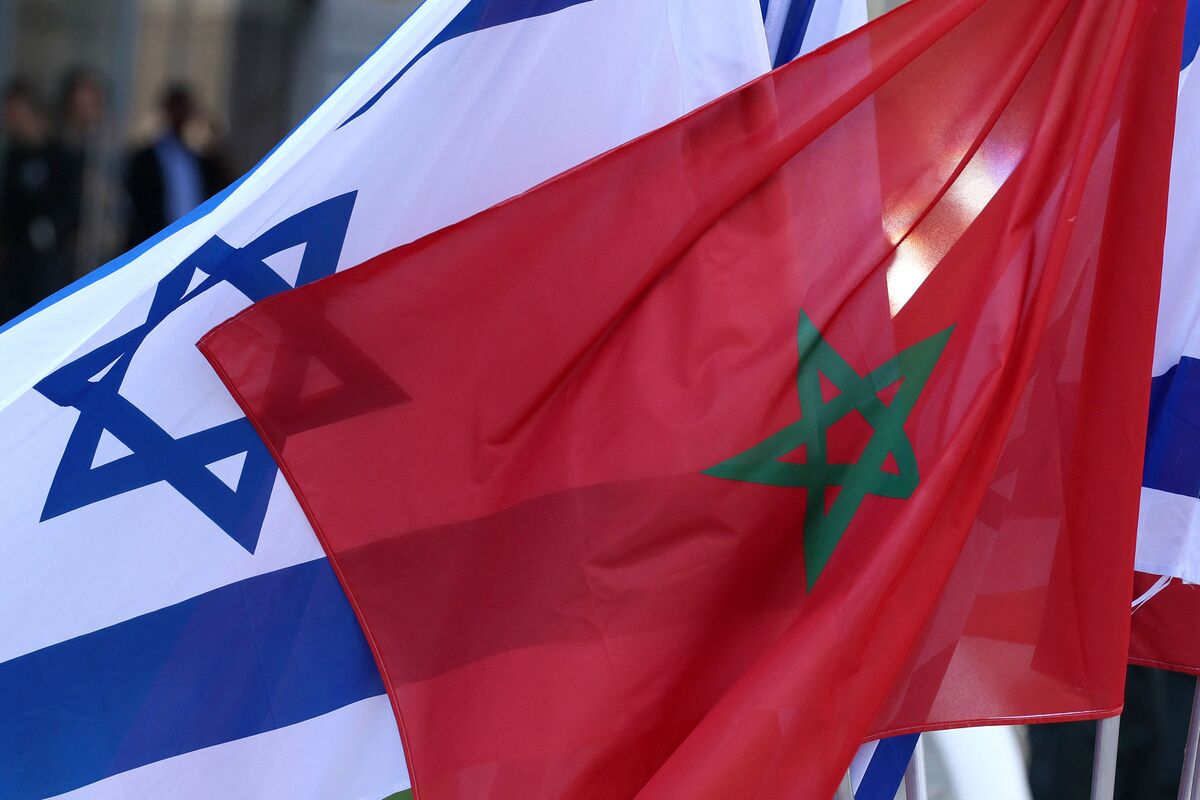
(777, 14)
(1194, 786)
(1187, 776)
(915, 787)
(1104, 762)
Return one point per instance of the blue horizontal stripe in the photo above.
(1191, 33)
(244, 659)
(1173, 437)
(477, 15)
(882, 779)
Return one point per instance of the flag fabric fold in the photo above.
(172, 627)
(803, 420)
(577, 459)
(1163, 631)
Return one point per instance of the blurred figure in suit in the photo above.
(1149, 750)
(36, 218)
(170, 177)
(90, 150)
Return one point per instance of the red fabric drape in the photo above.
(1166, 629)
(569, 462)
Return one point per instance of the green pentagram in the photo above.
(763, 463)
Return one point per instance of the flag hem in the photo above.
(1167, 665)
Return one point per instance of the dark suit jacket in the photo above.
(147, 192)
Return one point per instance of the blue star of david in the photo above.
(92, 383)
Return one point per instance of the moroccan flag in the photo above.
(1166, 628)
(812, 417)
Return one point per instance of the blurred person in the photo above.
(1149, 749)
(35, 221)
(89, 149)
(170, 177)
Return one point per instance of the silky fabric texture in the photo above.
(524, 439)
(1165, 629)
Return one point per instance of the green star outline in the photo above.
(761, 464)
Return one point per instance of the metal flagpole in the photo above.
(1188, 782)
(1195, 780)
(1104, 762)
(1187, 777)
(777, 14)
(915, 787)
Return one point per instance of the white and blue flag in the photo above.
(1169, 527)
(879, 767)
(796, 27)
(171, 626)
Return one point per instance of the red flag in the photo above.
(1166, 628)
(816, 415)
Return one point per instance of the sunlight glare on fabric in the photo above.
(919, 250)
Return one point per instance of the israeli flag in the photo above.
(797, 27)
(878, 768)
(171, 626)
(1168, 541)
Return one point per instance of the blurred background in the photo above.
(94, 88)
(106, 102)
